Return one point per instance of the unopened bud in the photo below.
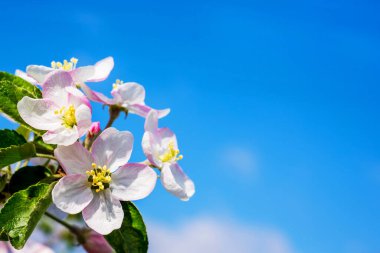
(95, 128)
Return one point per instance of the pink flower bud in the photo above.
(95, 243)
(95, 128)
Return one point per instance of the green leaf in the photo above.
(10, 138)
(16, 153)
(27, 176)
(25, 132)
(3, 181)
(14, 148)
(132, 236)
(44, 148)
(12, 90)
(22, 211)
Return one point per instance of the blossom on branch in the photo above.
(129, 96)
(63, 111)
(161, 148)
(92, 73)
(97, 181)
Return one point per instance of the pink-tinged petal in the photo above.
(151, 149)
(104, 213)
(112, 148)
(83, 117)
(96, 243)
(133, 181)
(74, 159)
(38, 72)
(72, 193)
(129, 93)
(177, 182)
(25, 76)
(97, 96)
(143, 110)
(82, 74)
(151, 121)
(76, 97)
(94, 128)
(55, 85)
(102, 70)
(61, 136)
(165, 136)
(38, 113)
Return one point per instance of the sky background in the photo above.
(275, 105)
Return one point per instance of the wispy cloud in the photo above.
(213, 235)
(238, 159)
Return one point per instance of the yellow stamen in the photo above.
(99, 177)
(68, 116)
(117, 83)
(171, 154)
(66, 65)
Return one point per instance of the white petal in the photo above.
(55, 85)
(39, 113)
(112, 148)
(38, 72)
(177, 182)
(143, 110)
(96, 96)
(151, 121)
(61, 136)
(76, 97)
(74, 159)
(165, 136)
(104, 214)
(151, 149)
(72, 193)
(25, 76)
(129, 93)
(133, 181)
(102, 70)
(83, 117)
(82, 74)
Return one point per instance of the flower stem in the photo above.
(46, 156)
(73, 229)
(114, 113)
(63, 223)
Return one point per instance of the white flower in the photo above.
(130, 96)
(92, 73)
(161, 149)
(96, 182)
(63, 111)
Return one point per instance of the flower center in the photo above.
(66, 65)
(117, 83)
(99, 177)
(171, 154)
(68, 116)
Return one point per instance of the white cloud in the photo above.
(238, 159)
(212, 235)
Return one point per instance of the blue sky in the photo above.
(275, 104)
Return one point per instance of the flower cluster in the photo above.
(96, 173)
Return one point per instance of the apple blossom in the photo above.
(129, 96)
(97, 181)
(63, 111)
(161, 149)
(92, 73)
